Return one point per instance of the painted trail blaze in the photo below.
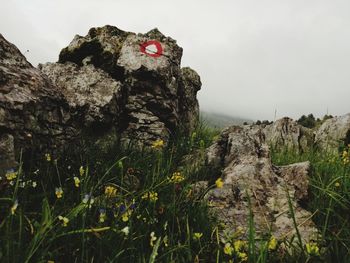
(152, 48)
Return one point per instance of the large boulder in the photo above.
(252, 182)
(333, 133)
(110, 82)
(33, 111)
(157, 96)
(288, 134)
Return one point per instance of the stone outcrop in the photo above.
(110, 81)
(287, 133)
(333, 133)
(33, 111)
(156, 96)
(251, 181)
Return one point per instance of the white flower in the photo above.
(125, 230)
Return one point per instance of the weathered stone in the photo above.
(252, 182)
(89, 91)
(104, 83)
(288, 134)
(159, 96)
(333, 133)
(33, 112)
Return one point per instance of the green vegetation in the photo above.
(329, 199)
(311, 122)
(127, 205)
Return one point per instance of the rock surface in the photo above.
(250, 180)
(156, 96)
(333, 132)
(287, 133)
(33, 112)
(108, 82)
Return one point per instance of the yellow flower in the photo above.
(158, 144)
(152, 196)
(312, 249)
(48, 157)
(110, 191)
(239, 245)
(11, 174)
(102, 216)
(243, 256)
(14, 207)
(337, 184)
(126, 215)
(228, 249)
(81, 170)
(177, 177)
(219, 183)
(59, 192)
(197, 235)
(64, 220)
(152, 239)
(272, 243)
(76, 181)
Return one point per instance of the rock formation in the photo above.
(287, 133)
(108, 82)
(251, 181)
(33, 112)
(333, 133)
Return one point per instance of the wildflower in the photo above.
(59, 192)
(126, 215)
(228, 249)
(125, 230)
(11, 174)
(219, 183)
(14, 207)
(34, 184)
(152, 239)
(239, 245)
(272, 243)
(81, 171)
(312, 249)
(48, 157)
(76, 181)
(158, 144)
(165, 241)
(177, 177)
(102, 216)
(337, 184)
(110, 191)
(152, 196)
(64, 220)
(243, 256)
(197, 235)
(88, 200)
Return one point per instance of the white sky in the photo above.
(253, 56)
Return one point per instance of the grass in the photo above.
(122, 204)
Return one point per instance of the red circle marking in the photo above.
(144, 50)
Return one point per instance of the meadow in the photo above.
(120, 204)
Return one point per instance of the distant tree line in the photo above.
(310, 121)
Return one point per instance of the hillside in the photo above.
(219, 120)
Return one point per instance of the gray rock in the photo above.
(289, 134)
(158, 97)
(333, 133)
(33, 112)
(249, 177)
(105, 84)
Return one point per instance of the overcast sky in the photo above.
(253, 56)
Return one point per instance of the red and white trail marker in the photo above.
(152, 48)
